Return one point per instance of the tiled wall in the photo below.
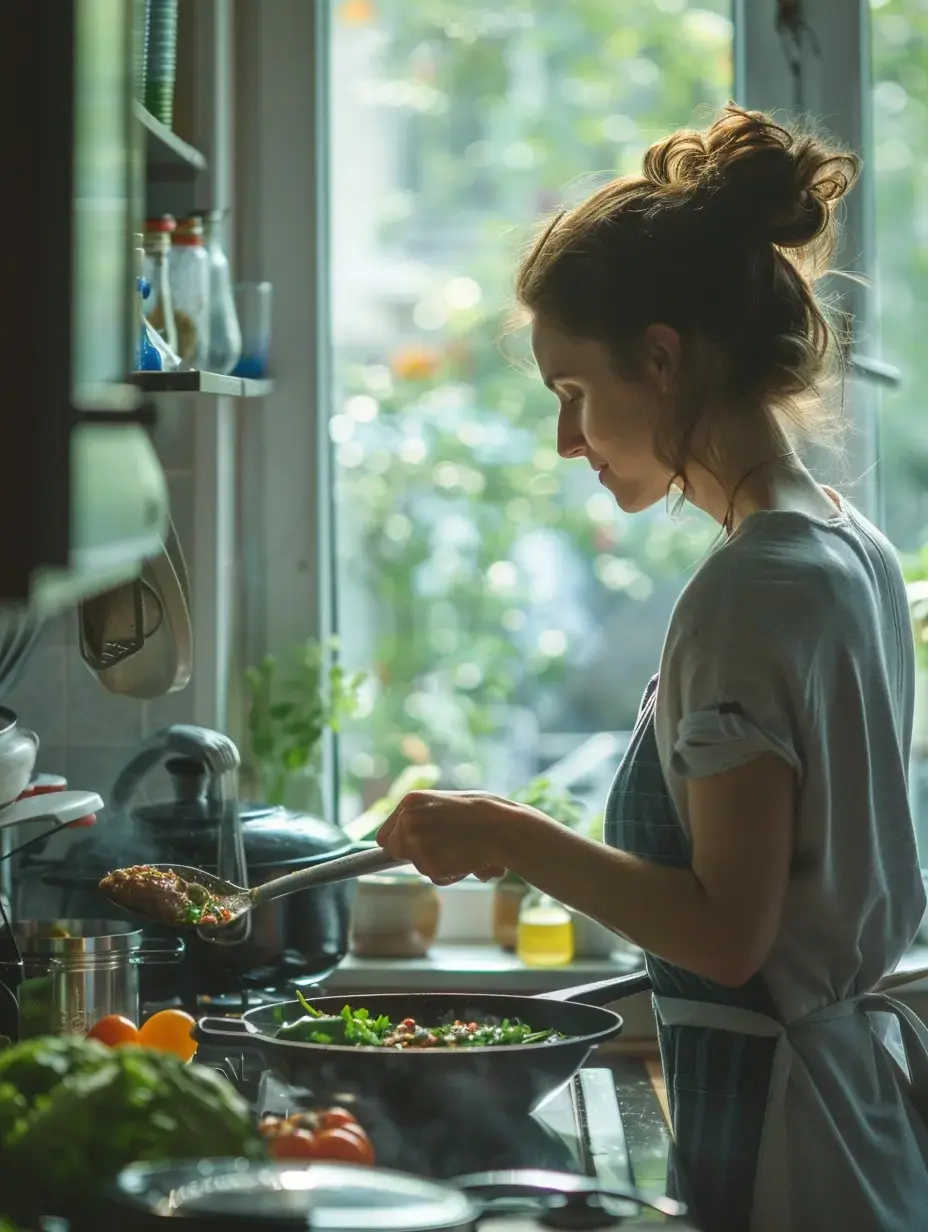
(86, 733)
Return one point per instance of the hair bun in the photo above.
(767, 182)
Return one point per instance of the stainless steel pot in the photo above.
(76, 972)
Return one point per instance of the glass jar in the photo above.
(190, 280)
(225, 336)
(545, 933)
(159, 307)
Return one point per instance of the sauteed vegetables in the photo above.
(359, 1028)
(163, 895)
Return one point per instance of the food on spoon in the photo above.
(359, 1028)
(163, 895)
(169, 1031)
(114, 1030)
(329, 1133)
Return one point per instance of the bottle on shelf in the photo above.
(545, 932)
(190, 285)
(225, 335)
(159, 307)
(147, 355)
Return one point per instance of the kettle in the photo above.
(302, 937)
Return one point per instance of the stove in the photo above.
(579, 1130)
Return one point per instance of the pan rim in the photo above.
(605, 1033)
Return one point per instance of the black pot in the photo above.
(304, 936)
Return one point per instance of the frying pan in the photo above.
(414, 1083)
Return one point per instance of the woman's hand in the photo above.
(449, 835)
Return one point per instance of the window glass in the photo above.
(507, 611)
(900, 154)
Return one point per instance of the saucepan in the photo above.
(413, 1083)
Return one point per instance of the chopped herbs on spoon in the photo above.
(359, 1028)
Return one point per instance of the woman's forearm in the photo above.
(664, 910)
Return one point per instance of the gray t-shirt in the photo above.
(794, 636)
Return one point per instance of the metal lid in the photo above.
(324, 1197)
(74, 937)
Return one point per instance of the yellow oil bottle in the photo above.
(545, 933)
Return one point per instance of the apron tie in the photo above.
(773, 1154)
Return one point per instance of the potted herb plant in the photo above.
(293, 701)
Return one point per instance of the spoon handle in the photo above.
(343, 868)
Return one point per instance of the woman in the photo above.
(760, 845)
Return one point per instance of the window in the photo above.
(900, 129)
(507, 610)
(900, 132)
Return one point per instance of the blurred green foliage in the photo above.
(495, 579)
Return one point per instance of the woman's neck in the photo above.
(746, 471)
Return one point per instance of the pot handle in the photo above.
(226, 1030)
(579, 1191)
(172, 952)
(602, 992)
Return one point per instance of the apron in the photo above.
(729, 1061)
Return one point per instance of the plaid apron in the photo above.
(717, 1081)
(729, 1060)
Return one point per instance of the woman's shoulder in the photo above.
(789, 574)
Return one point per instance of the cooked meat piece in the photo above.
(150, 891)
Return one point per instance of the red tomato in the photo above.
(337, 1118)
(351, 1146)
(114, 1030)
(169, 1031)
(295, 1144)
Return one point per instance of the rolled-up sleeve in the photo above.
(723, 737)
(731, 663)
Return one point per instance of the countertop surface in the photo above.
(471, 968)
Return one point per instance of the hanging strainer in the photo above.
(115, 625)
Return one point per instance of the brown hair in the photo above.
(721, 237)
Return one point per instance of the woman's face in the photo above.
(607, 418)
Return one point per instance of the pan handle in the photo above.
(221, 1030)
(578, 1190)
(602, 992)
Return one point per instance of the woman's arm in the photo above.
(717, 919)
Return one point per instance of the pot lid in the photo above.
(275, 840)
(186, 829)
(322, 1197)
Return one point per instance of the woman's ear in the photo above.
(662, 355)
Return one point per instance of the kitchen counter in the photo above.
(469, 968)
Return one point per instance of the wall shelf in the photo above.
(168, 157)
(197, 382)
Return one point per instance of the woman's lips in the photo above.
(602, 473)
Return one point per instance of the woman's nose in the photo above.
(570, 442)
